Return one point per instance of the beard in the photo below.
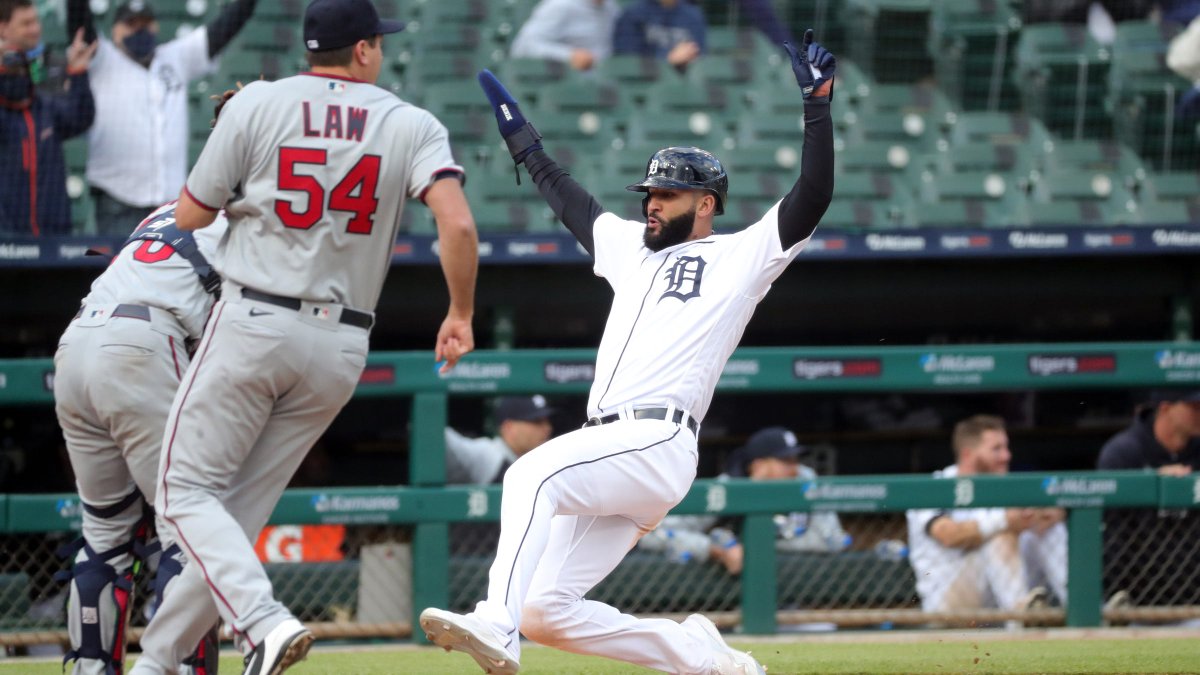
(670, 232)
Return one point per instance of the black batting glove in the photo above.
(812, 55)
(519, 134)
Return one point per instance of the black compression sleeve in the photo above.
(79, 15)
(574, 206)
(227, 24)
(803, 207)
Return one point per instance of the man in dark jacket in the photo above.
(33, 125)
(1151, 557)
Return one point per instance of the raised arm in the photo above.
(574, 206)
(227, 24)
(803, 207)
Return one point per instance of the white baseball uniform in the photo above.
(313, 172)
(137, 147)
(117, 368)
(576, 505)
(997, 574)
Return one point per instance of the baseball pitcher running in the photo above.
(313, 172)
(574, 506)
(117, 368)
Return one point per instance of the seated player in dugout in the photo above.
(986, 557)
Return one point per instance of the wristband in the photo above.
(992, 524)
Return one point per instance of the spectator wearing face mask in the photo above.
(138, 147)
(33, 125)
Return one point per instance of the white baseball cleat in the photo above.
(286, 645)
(726, 659)
(467, 634)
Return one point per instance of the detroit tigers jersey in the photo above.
(137, 147)
(151, 273)
(313, 172)
(936, 566)
(677, 314)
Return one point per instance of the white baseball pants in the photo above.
(571, 510)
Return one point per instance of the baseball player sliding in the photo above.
(313, 172)
(573, 507)
(131, 329)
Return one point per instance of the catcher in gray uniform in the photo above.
(313, 172)
(131, 329)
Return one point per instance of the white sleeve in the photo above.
(430, 152)
(470, 460)
(759, 251)
(222, 164)
(538, 38)
(190, 54)
(617, 242)
(1183, 56)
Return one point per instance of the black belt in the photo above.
(646, 414)
(124, 310)
(350, 317)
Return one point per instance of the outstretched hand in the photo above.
(814, 67)
(518, 133)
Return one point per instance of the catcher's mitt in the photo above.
(221, 100)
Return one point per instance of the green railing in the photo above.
(430, 510)
(994, 367)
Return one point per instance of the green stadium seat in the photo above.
(972, 43)
(730, 42)
(848, 214)
(268, 36)
(780, 157)
(983, 156)
(1062, 74)
(635, 75)
(707, 129)
(1081, 185)
(912, 129)
(774, 99)
(440, 13)
(1097, 156)
(679, 95)
(1175, 186)
(760, 185)
(628, 163)
(585, 132)
(522, 74)
(581, 95)
(766, 127)
(960, 213)
(999, 128)
(454, 96)
(876, 156)
(978, 186)
(1168, 213)
(1089, 213)
(740, 212)
(279, 10)
(889, 38)
(434, 67)
(878, 186)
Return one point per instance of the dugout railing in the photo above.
(420, 516)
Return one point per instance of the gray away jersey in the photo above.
(678, 314)
(314, 172)
(151, 273)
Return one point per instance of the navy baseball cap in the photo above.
(333, 24)
(770, 442)
(523, 408)
(134, 9)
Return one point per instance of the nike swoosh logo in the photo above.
(254, 311)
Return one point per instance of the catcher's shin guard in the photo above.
(203, 661)
(98, 612)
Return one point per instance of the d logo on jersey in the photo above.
(683, 278)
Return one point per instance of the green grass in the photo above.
(783, 658)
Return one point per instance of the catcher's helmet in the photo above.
(686, 169)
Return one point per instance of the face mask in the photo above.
(141, 45)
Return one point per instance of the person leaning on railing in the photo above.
(1164, 437)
